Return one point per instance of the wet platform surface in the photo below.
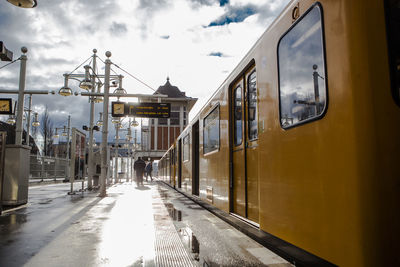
(152, 225)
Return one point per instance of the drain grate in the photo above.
(169, 250)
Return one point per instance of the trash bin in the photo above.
(121, 175)
(95, 180)
(16, 175)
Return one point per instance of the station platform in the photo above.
(151, 225)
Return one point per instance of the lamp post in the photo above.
(117, 125)
(22, 75)
(104, 159)
(92, 100)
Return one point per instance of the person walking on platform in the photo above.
(149, 169)
(139, 167)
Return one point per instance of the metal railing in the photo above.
(48, 167)
(2, 157)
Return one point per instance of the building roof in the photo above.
(10, 137)
(170, 90)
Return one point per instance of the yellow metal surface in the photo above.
(328, 186)
(252, 164)
(239, 160)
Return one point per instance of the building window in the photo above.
(211, 131)
(302, 80)
(252, 117)
(162, 121)
(174, 119)
(392, 12)
(237, 115)
(186, 148)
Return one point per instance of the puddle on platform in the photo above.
(11, 222)
(45, 201)
(190, 241)
(163, 194)
(175, 214)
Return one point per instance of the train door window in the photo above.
(252, 117)
(301, 66)
(211, 131)
(392, 12)
(186, 141)
(237, 115)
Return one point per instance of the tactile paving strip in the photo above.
(169, 250)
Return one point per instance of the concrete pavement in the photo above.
(151, 225)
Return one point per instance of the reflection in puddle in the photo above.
(175, 214)
(190, 241)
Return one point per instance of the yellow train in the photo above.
(302, 140)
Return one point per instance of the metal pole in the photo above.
(90, 159)
(316, 89)
(104, 160)
(116, 153)
(22, 75)
(28, 123)
(67, 157)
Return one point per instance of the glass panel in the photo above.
(186, 155)
(174, 119)
(302, 71)
(252, 106)
(162, 121)
(211, 131)
(237, 115)
(393, 25)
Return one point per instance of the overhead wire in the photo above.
(137, 79)
(80, 65)
(10, 63)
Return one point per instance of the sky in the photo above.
(196, 43)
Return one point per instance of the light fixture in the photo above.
(65, 90)
(11, 120)
(86, 84)
(36, 122)
(100, 121)
(23, 3)
(98, 98)
(56, 134)
(120, 90)
(135, 123)
(64, 133)
(115, 120)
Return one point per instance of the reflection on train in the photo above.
(301, 141)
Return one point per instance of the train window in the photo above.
(252, 119)
(237, 115)
(211, 131)
(392, 12)
(185, 151)
(301, 66)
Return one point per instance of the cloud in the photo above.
(197, 3)
(118, 29)
(217, 54)
(165, 37)
(235, 14)
(147, 9)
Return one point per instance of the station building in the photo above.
(157, 135)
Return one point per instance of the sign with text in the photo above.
(141, 110)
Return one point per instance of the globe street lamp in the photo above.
(23, 3)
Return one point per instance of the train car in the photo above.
(302, 140)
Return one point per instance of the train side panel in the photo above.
(214, 170)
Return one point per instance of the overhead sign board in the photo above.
(141, 110)
(6, 106)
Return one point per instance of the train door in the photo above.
(180, 163)
(244, 182)
(195, 157)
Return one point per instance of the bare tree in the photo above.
(47, 130)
